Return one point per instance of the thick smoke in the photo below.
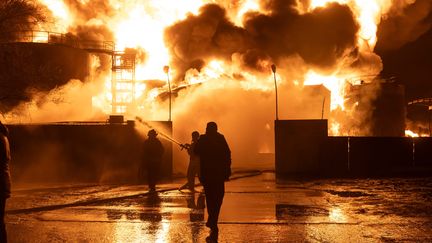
(208, 35)
(91, 23)
(404, 23)
(91, 19)
(70, 101)
(86, 10)
(320, 37)
(90, 32)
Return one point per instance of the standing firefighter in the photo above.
(193, 168)
(215, 169)
(5, 183)
(152, 158)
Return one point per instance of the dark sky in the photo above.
(405, 46)
(411, 64)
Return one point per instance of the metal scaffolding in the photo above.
(123, 82)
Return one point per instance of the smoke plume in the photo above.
(207, 35)
(405, 22)
(268, 37)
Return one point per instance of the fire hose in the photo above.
(182, 146)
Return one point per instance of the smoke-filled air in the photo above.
(218, 56)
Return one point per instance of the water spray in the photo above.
(167, 137)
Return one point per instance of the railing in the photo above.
(103, 46)
(48, 37)
(422, 101)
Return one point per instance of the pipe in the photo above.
(166, 70)
(322, 109)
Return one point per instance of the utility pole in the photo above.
(166, 70)
(273, 67)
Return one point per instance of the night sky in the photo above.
(411, 64)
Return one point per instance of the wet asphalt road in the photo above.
(255, 209)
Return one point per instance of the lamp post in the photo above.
(273, 67)
(166, 70)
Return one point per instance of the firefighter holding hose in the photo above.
(152, 158)
(193, 167)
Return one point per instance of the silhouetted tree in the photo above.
(18, 15)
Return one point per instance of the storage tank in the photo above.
(381, 106)
(38, 66)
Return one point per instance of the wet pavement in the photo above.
(255, 209)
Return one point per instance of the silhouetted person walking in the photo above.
(5, 183)
(215, 169)
(152, 158)
(193, 168)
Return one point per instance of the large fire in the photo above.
(142, 25)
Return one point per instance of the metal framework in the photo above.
(123, 82)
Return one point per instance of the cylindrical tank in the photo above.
(38, 66)
(380, 107)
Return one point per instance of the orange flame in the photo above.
(138, 24)
(409, 133)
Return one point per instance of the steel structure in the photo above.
(123, 82)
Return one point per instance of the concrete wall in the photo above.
(96, 152)
(334, 156)
(379, 155)
(303, 148)
(423, 152)
(298, 145)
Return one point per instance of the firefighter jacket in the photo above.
(152, 152)
(215, 158)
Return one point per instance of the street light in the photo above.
(273, 67)
(166, 70)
